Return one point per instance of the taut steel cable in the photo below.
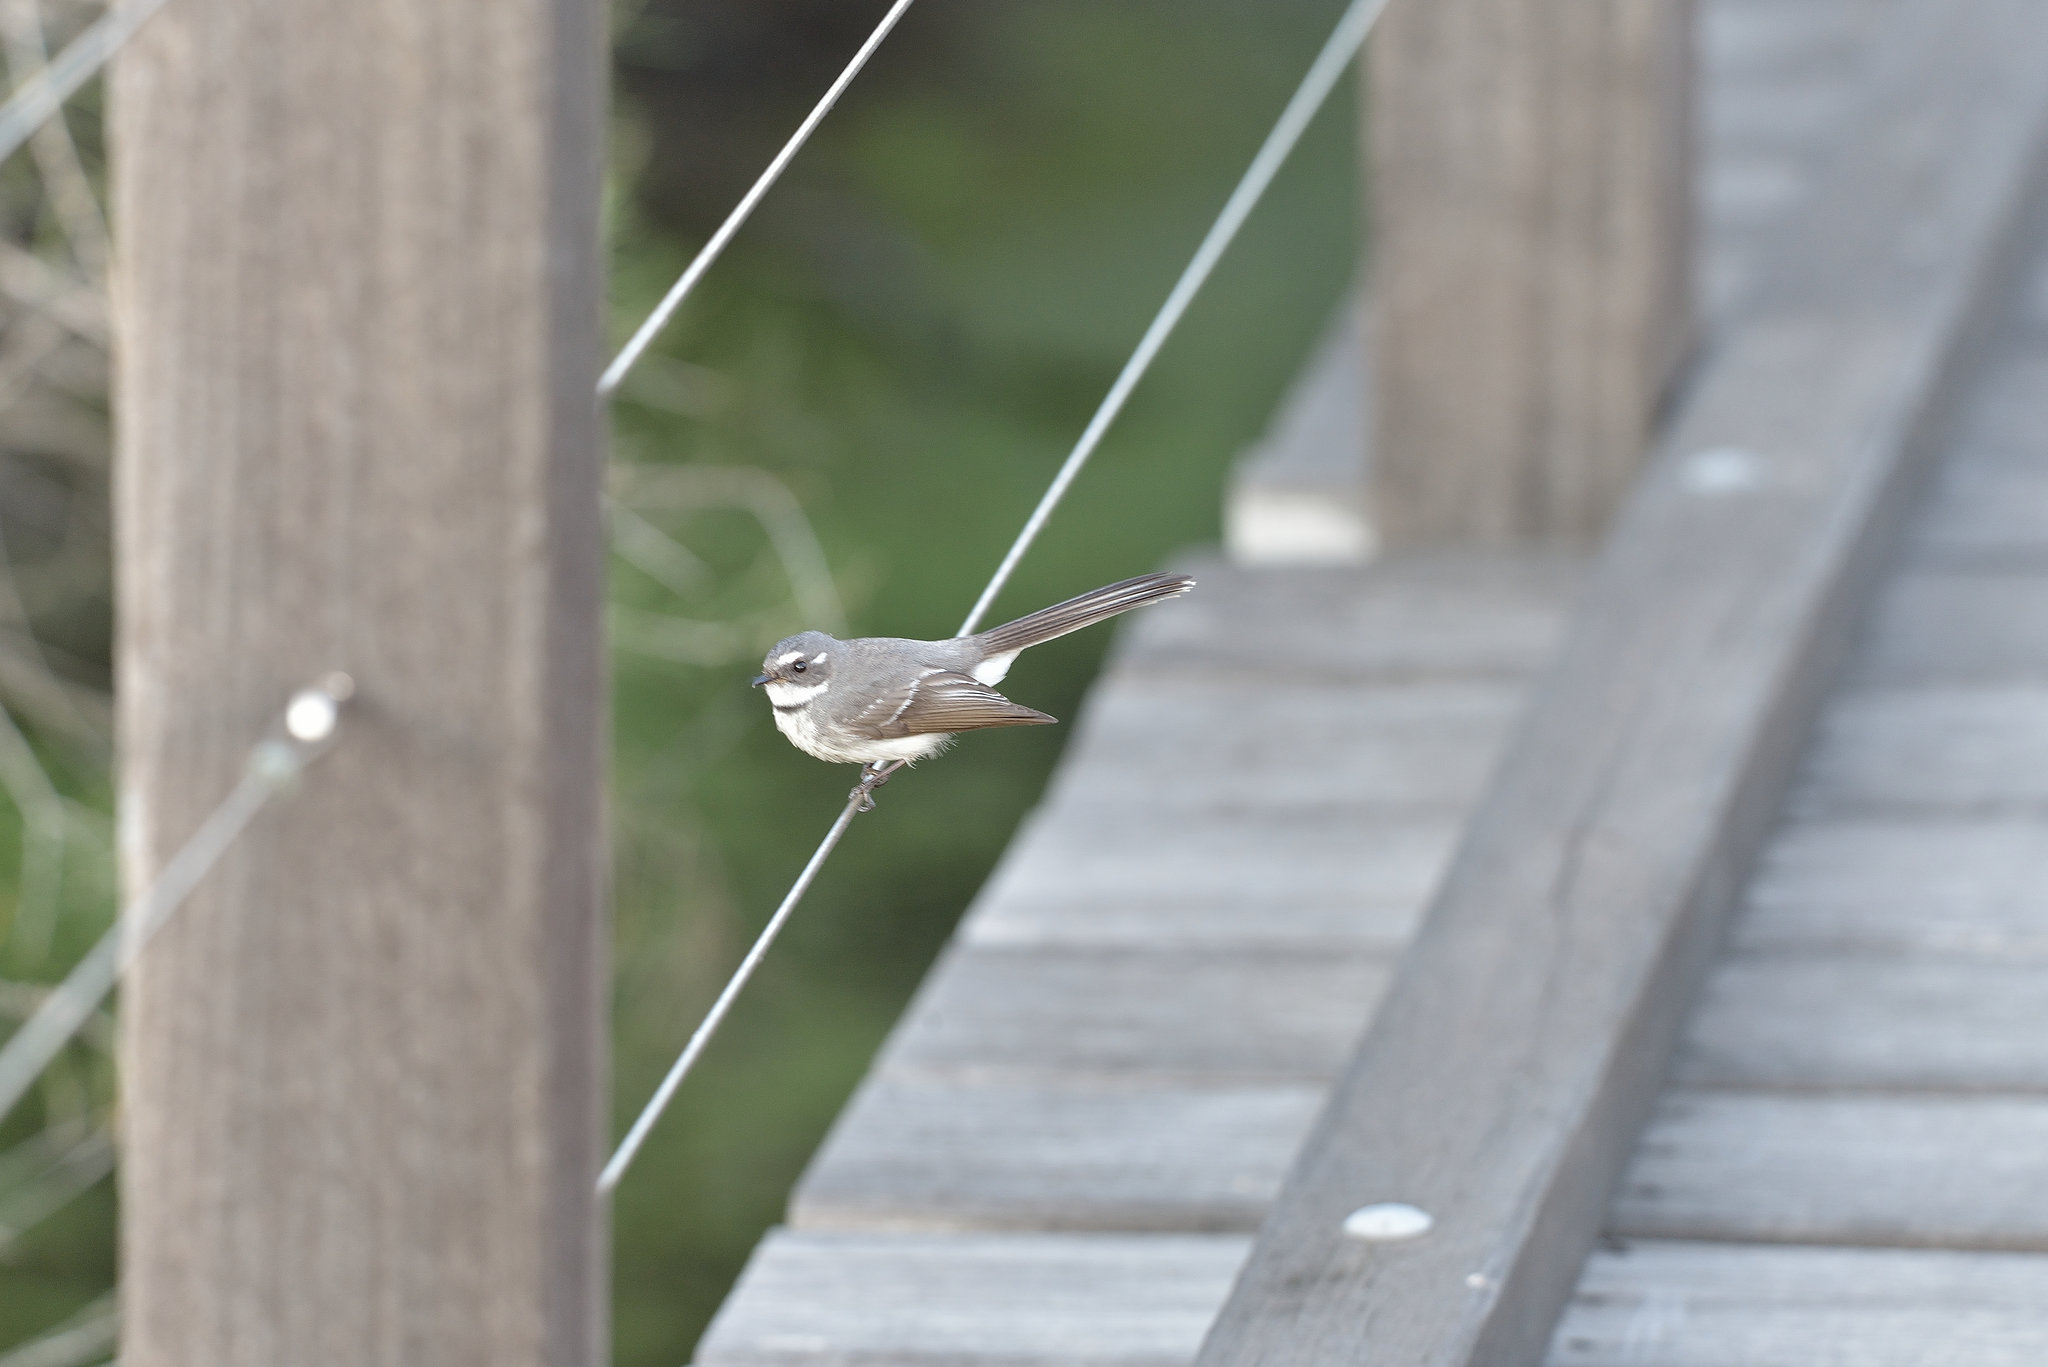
(1323, 74)
(651, 327)
(44, 93)
(304, 732)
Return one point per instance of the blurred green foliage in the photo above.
(910, 338)
(898, 352)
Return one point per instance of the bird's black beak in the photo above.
(760, 679)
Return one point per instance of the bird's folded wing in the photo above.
(938, 702)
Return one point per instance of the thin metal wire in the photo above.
(44, 93)
(272, 765)
(76, 207)
(629, 1147)
(1323, 74)
(656, 321)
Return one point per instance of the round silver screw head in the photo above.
(1723, 470)
(1387, 1222)
(311, 715)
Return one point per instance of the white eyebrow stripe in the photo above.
(792, 655)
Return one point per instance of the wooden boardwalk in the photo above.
(1850, 1164)
(1098, 1090)
(1064, 1150)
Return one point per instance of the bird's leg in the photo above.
(873, 776)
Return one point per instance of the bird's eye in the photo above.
(798, 668)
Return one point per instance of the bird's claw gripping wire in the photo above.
(872, 777)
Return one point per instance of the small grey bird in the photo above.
(882, 700)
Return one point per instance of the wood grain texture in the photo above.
(1778, 87)
(1085, 1154)
(1966, 1172)
(1905, 885)
(1531, 197)
(1707, 1305)
(1414, 671)
(1405, 617)
(1193, 744)
(1168, 880)
(1192, 1014)
(1046, 1300)
(1939, 750)
(1936, 1022)
(1991, 501)
(1978, 625)
(1504, 1078)
(358, 332)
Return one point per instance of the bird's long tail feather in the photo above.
(1084, 611)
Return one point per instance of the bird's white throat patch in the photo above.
(783, 693)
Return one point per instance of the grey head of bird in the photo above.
(803, 661)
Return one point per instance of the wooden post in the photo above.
(358, 337)
(1532, 215)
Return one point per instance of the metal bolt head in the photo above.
(1723, 470)
(311, 715)
(1388, 1222)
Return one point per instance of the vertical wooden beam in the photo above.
(1532, 216)
(358, 337)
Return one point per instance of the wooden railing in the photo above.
(1503, 1082)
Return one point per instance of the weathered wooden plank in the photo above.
(1913, 886)
(2034, 301)
(1943, 1023)
(1921, 1171)
(951, 1156)
(1531, 244)
(1195, 743)
(1403, 617)
(1709, 1305)
(363, 1072)
(1205, 1015)
(1992, 498)
(1502, 1082)
(1047, 1300)
(1987, 509)
(1975, 625)
(1169, 879)
(1942, 748)
(1777, 86)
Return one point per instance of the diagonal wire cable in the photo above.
(635, 1137)
(305, 732)
(1323, 74)
(644, 337)
(70, 192)
(42, 94)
